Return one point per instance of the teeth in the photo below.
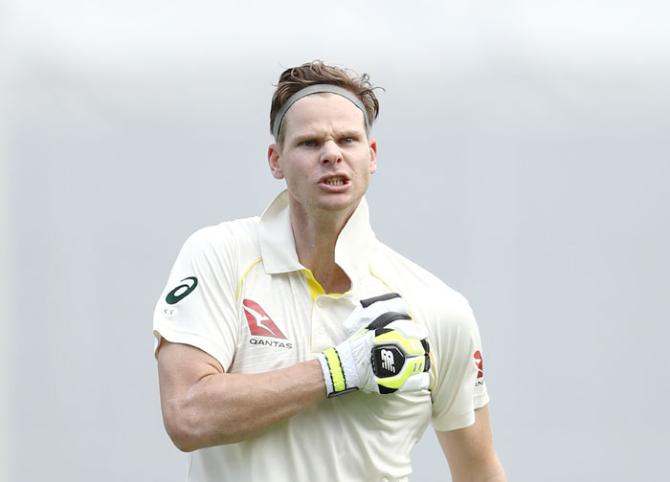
(335, 181)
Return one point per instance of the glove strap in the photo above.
(334, 373)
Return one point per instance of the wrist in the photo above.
(339, 374)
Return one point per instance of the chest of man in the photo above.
(283, 319)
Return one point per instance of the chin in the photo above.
(339, 203)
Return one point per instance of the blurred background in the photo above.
(524, 158)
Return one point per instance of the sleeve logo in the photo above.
(479, 363)
(182, 291)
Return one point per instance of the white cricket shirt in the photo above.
(238, 292)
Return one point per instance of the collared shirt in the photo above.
(239, 292)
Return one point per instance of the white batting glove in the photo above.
(370, 309)
(387, 353)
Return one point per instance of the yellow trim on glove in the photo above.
(335, 367)
(411, 346)
(412, 367)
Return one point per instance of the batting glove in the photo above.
(387, 352)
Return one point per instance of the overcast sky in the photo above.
(535, 132)
(566, 31)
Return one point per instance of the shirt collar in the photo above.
(352, 250)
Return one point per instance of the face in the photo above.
(326, 157)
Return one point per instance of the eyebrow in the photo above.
(320, 136)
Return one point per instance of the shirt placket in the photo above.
(328, 314)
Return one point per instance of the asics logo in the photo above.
(388, 362)
(181, 291)
(260, 324)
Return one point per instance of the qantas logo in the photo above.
(260, 323)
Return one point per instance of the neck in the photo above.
(315, 236)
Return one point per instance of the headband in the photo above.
(317, 89)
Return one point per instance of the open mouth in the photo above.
(335, 181)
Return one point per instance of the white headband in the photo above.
(317, 89)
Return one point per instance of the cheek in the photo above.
(294, 179)
(364, 179)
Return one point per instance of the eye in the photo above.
(309, 143)
(347, 140)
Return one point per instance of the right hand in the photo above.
(386, 351)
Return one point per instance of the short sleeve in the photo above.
(459, 387)
(198, 305)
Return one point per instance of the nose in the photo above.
(331, 153)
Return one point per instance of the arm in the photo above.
(204, 406)
(470, 451)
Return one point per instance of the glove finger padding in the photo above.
(420, 381)
(400, 357)
(372, 308)
(411, 330)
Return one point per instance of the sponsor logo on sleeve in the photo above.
(479, 363)
(182, 291)
(262, 327)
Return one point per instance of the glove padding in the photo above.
(387, 352)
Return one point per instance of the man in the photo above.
(296, 346)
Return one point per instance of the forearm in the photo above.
(495, 472)
(489, 470)
(228, 407)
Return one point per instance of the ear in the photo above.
(273, 161)
(373, 155)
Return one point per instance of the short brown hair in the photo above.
(316, 72)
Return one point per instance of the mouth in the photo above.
(335, 180)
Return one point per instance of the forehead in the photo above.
(323, 111)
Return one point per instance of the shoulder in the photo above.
(426, 294)
(225, 234)
(229, 241)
